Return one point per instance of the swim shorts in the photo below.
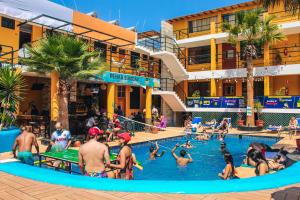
(97, 174)
(26, 157)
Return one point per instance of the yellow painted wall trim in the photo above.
(54, 95)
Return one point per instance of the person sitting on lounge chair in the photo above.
(188, 125)
(293, 125)
(223, 129)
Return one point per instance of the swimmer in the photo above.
(187, 145)
(154, 152)
(202, 137)
(181, 160)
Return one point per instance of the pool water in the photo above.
(207, 158)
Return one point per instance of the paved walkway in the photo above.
(14, 188)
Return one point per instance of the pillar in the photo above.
(239, 88)
(54, 95)
(111, 99)
(127, 100)
(148, 104)
(266, 64)
(237, 54)
(186, 87)
(213, 59)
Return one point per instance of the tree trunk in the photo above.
(63, 96)
(250, 90)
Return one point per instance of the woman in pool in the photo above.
(187, 145)
(228, 172)
(257, 159)
(154, 152)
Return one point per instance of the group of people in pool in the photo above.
(257, 158)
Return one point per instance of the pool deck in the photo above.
(13, 187)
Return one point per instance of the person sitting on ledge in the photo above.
(91, 155)
(24, 142)
(181, 160)
(228, 171)
(116, 127)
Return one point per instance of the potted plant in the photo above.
(196, 94)
(12, 86)
(259, 122)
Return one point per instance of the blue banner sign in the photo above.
(216, 102)
(128, 79)
(275, 102)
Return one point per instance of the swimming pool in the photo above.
(207, 158)
(282, 178)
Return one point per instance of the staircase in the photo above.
(166, 49)
(172, 99)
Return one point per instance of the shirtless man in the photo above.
(91, 156)
(154, 152)
(181, 161)
(24, 142)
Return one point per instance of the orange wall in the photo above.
(291, 82)
(9, 37)
(102, 26)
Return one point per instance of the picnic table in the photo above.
(68, 156)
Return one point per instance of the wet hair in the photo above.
(187, 142)
(229, 160)
(256, 156)
(151, 148)
(182, 152)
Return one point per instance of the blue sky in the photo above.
(146, 15)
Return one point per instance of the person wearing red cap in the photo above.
(125, 160)
(117, 127)
(92, 155)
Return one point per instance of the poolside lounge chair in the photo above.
(197, 121)
(276, 129)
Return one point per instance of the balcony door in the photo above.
(228, 56)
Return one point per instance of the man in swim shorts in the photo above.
(24, 143)
(181, 160)
(92, 155)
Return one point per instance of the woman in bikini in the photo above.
(125, 159)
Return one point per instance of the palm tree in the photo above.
(12, 86)
(252, 28)
(289, 5)
(70, 58)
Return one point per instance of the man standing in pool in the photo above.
(181, 160)
(91, 155)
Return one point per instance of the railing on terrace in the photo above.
(117, 62)
(164, 43)
(168, 84)
(280, 17)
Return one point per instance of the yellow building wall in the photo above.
(291, 82)
(9, 37)
(37, 33)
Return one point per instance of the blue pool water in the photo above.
(207, 158)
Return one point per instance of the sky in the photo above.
(145, 15)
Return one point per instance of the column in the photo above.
(239, 88)
(110, 99)
(17, 111)
(148, 104)
(266, 64)
(54, 95)
(213, 59)
(127, 100)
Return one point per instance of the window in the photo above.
(229, 89)
(135, 58)
(135, 98)
(25, 35)
(229, 54)
(8, 23)
(199, 55)
(121, 91)
(122, 52)
(101, 47)
(114, 49)
(230, 18)
(201, 88)
(145, 57)
(201, 24)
